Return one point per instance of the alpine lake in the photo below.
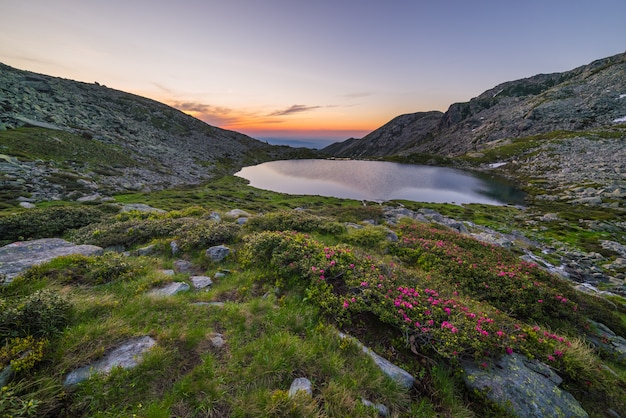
(378, 181)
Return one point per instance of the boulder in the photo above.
(237, 213)
(200, 282)
(218, 253)
(126, 356)
(301, 384)
(522, 387)
(19, 256)
(183, 266)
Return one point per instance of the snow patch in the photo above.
(619, 120)
(621, 96)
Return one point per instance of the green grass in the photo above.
(278, 319)
(61, 147)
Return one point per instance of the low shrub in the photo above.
(22, 353)
(49, 222)
(198, 234)
(15, 406)
(41, 314)
(367, 237)
(80, 269)
(294, 220)
(190, 233)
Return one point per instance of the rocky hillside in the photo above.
(402, 132)
(63, 139)
(588, 97)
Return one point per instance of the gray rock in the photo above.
(170, 289)
(218, 253)
(300, 384)
(242, 220)
(383, 411)
(237, 213)
(19, 256)
(522, 387)
(603, 337)
(126, 356)
(549, 217)
(5, 374)
(217, 304)
(141, 207)
(200, 282)
(183, 266)
(90, 198)
(391, 236)
(147, 250)
(174, 247)
(218, 341)
(168, 272)
(27, 205)
(397, 374)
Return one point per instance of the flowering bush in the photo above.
(491, 274)
(344, 284)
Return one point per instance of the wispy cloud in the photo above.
(213, 115)
(357, 95)
(223, 117)
(294, 109)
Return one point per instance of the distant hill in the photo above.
(587, 97)
(62, 139)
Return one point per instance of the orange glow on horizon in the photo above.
(257, 124)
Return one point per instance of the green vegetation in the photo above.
(61, 147)
(49, 222)
(428, 302)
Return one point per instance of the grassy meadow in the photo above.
(296, 274)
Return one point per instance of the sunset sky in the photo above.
(309, 70)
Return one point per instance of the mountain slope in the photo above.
(401, 132)
(587, 97)
(165, 146)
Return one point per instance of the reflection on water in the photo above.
(378, 181)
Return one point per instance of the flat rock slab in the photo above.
(200, 282)
(20, 256)
(126, 356)
(523, 387)
(170, 289)
(397, 374)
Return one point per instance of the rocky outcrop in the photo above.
(19, 256)
(587, 97)
(522, 387)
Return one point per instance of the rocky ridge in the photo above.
(153, 146)
(588, 97)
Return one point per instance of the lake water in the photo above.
(379, 181)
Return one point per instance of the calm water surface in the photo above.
(379, 181)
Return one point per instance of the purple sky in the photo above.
(309, 69)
